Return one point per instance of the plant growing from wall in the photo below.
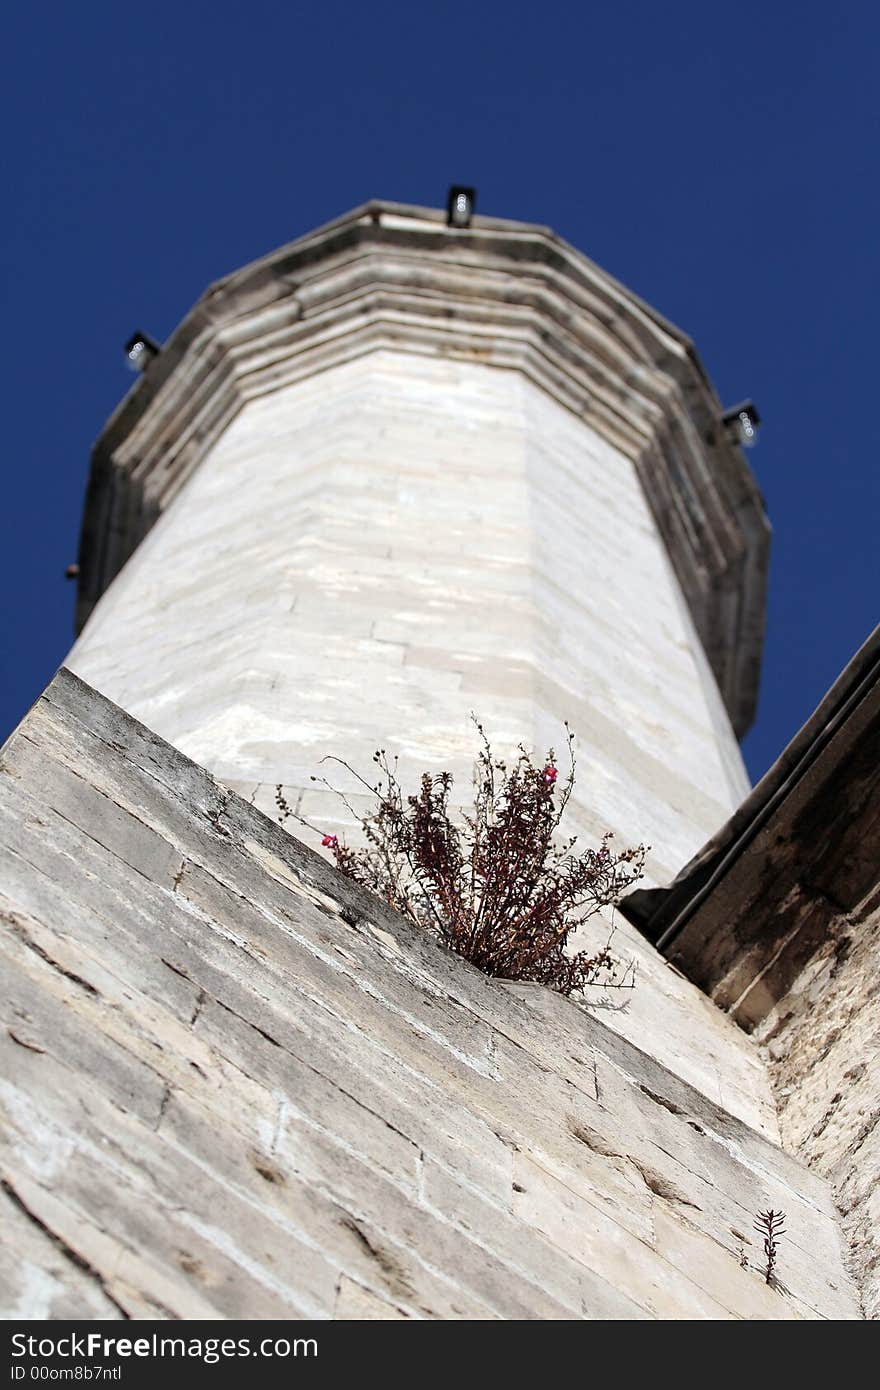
(494, 883)
(769, 1224)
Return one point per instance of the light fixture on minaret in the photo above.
(140, 351)
(741, 423)
(460, 206)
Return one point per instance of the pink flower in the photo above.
(329, 842)
(550, 774)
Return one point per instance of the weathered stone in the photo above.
(37, 1279)
(512, 300)
(357, 1304)
(778, 919)
(255, 1091)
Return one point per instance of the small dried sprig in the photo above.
(493, 884)
(769, 1224)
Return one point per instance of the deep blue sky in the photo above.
(720, 160)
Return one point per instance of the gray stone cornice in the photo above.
(502, 293)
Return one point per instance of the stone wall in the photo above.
(235, 1086)
(777, 920)
(823, 1038)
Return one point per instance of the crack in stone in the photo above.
(66, 1250)
(661, 1100)
(662, 1187)
(163, 1106)
(257, 1029)
(22, 1042)
(176, 969)
(27, 940)
(216, 812)
(395, 1276)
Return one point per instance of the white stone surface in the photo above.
(367, 556)
(442, 537)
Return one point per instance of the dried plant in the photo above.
(492, 883)
(769, 1225)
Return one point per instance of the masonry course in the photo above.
(238, 1086)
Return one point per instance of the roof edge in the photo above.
(662, 914)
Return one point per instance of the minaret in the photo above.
(401, 470)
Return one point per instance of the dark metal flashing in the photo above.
(663, 914)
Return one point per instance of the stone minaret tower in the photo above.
(398, 471)
(394, 473)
